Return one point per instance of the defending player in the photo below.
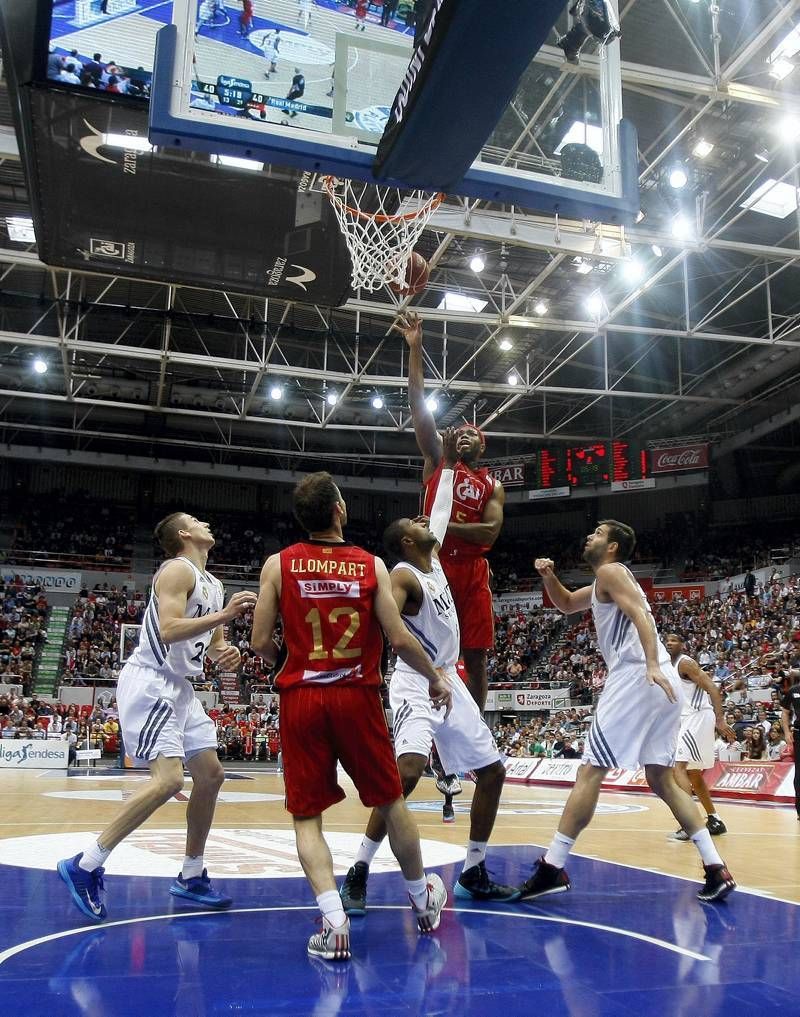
(420, 590)
(637, 718)
(334, 598)
(475, 522)
(702, 712)
(162, 722)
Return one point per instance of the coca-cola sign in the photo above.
(679, 457)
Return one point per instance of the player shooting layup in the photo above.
(637, 718)
(475, 522)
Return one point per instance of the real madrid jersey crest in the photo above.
(436, 623)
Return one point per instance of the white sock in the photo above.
(560, 847)
(366, 850)
(476, 853)
(192, 867)
(330, 904)
(705, 845)
(93, 857)
(418, 891)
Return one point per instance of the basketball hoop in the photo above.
(380, 242)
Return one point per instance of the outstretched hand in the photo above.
(409, 325)
(449, 447)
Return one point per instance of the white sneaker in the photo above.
(679, 835)
(333, 943)
(428, 918)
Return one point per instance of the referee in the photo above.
(790, 719)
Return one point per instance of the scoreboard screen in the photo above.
(629, 461)
(552, 468)
(586, 465)
(589, 464)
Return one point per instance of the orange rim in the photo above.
(330, 182)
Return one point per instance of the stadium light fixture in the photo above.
(477, 262)
(702, 149)
(513, 378)
(377, 402)
(40, 365)
(20, 229)
(595, 304)
(540, 308)
(678, 178)
(788, 128)
(432, 403)
(582, 267)
(788, 47)
(681, 228)
(633, 270)
(505, 344)
(276, 393)
(780, 68)
(332, 398)
(773, 197)
(460, 302)
(657, 250)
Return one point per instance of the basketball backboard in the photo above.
(310, 84)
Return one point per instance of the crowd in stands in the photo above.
(76, 526)
(250, 733)
(81, 726)
(92, 644)
(521, 638)
(560, 735)
(23, 620)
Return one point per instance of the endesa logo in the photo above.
(329, 588)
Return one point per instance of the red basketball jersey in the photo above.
(331, 633)
(471, 491)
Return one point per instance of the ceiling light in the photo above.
(540, 308)
(581, 133)
(774, 198)
(595, 304)
(780, 68)
(633, 270)
(762, 153)
(476, 262)
(658, 251)
(513, 378)
(505, 344)
(40, 365)
(130, 142)
(20, 229)
(788, 47)
(432, 403)
(460, 302)
(276, 392)
(237, 163)
(582, 267)
(331, 398)
(678, 178)
(377, 402)
(681, 228)
(788, 127)
(702, 148)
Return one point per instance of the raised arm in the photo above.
(173, 586)
(486, 532)
(443, 502)
(428, 440)
(692, 671)
(567, 601)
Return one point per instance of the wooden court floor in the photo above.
(45, 814)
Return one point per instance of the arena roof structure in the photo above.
(686, 324)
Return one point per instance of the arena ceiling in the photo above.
(697, 335)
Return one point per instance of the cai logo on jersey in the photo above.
(325, 588)
(468, 491)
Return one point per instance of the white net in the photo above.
(381, 225)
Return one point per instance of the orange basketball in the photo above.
(417, 271)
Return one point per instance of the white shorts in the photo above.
(463, 740)
(696, 740)
(161, 716)
(634, 723)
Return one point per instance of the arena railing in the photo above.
(30, 559)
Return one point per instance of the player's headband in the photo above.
(473, 427)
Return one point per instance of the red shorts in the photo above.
(469, 583)
(325, 724)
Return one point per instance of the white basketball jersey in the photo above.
(183, 659)
(436, 624)
(617, 638)
(694, 698)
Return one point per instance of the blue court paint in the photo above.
(623, 942)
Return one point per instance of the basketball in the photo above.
(417, 271)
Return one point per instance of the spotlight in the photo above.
(762, 153)
(505, 344)
(633, 270)
(513, 378)
(582, 267)
(681, 228)
(377, 402)
(432, 403)
(678, 178)
(780, 68)
(276, 393)
(595, 304)
(595, 18)
(540, 308)
(332, 398)
(789, 128)
(476, 262)
(702, 148)
(656, 250)
(40, 366)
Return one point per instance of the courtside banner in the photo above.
(49, 579)
(31, 754)
(461, 78)
(509, 474)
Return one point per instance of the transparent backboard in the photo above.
(128, 641)
(310, 83)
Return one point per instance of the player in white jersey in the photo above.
(461, 736)
(162, 722)
(702, 711)
(637, 717)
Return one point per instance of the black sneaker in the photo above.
(448, 813)
(354, 890)
(543, 880)
(474, 884)
(715, 826)
(449, 785)
(719, 883)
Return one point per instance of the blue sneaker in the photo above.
(198, 890)
(86, 888)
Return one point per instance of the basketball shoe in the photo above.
(715, 826)
(428, 918)
(354, 889)
(679, 834)
(544, 879)
(448, 813)
(719, 883)
(449, 785)
(474, 884)
(333, 943)
(198, 890)
(86, 888)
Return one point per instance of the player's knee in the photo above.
(169, 785)
(214, 777)
(493, 775)
(657, 777)
(410, 773)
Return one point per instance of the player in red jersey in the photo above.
(475, 522)
(334, 598)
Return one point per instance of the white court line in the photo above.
(12, 951)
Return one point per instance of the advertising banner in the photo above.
(31, 754)
(644, 484)
(509, 474)
(513, 602)
(677, 458)
(50, 579)
(545, 493)
(667, 594)
(527, 699)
